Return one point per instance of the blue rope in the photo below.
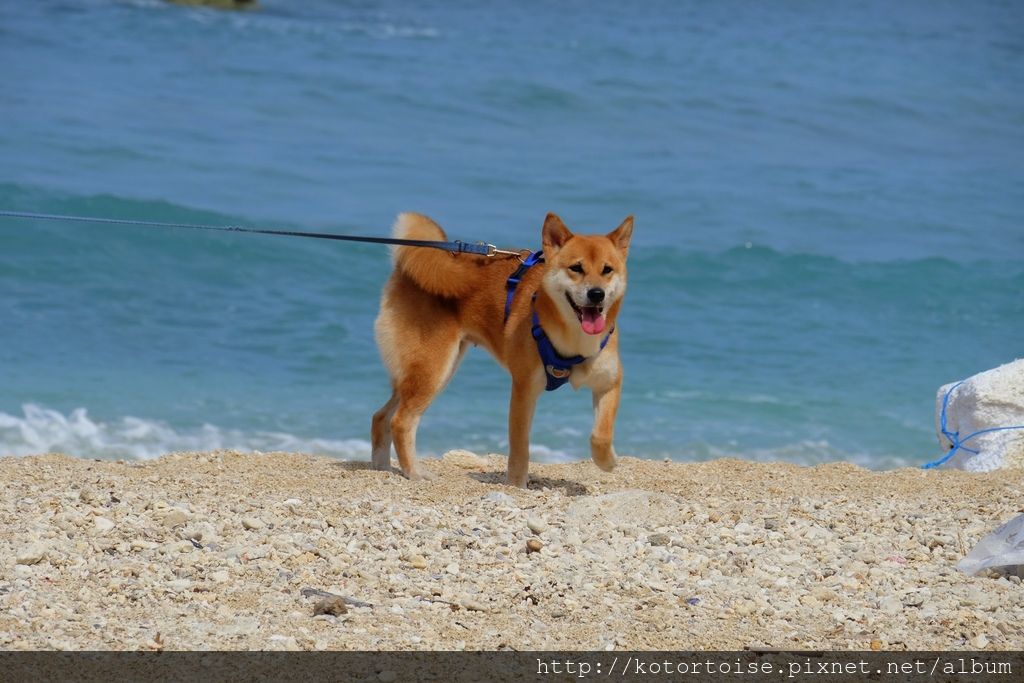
(954, 437)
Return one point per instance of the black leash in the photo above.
(456, 247)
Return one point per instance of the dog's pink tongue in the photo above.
(592, 322)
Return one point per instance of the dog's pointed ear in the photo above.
(555, 234)
(621, 235)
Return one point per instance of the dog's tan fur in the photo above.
(436, 304)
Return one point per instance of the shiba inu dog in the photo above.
(553, 322)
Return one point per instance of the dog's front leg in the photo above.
(606, 404)
(520, 417)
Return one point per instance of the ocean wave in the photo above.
(44, 430)
(653, 258)
(696, 395)
(33, 198)
(384, 30)
(319, 25)
(541, 453)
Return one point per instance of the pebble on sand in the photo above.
(30, 555)
(334, 606)
(252, 523)
(103, 525)
(536, 524)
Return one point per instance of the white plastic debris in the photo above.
(1003, 548)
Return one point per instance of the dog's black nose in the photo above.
(595, 294)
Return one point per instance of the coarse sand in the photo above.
(281, 551)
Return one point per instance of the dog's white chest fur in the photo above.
(598, 373)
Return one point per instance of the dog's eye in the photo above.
(606, 270)
(577, 268)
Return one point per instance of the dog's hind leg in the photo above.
(423, 378)
(380, 432)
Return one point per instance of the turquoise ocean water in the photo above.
(829, 202)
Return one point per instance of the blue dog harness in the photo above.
(557, 368)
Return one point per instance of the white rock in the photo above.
(474, 605)
(32, 554)
(280, 642)
(537, 524)
(464, 459)
(242, 626)
(643, 508)
(500, 497)
(179, 585)
(220, 576)
(994, 398)
(252, 523)
(103, 525)
(891, 605)
(175, 517)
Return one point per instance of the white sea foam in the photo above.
(375, 28)
(43, 430)
(541, 453)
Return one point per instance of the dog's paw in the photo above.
(516, 480)
(603, 454)
(420, 474)
(381, 464)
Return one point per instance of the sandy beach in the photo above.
(276, 551)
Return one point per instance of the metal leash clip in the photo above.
(494, 251)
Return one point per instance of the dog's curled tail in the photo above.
(438, 272)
